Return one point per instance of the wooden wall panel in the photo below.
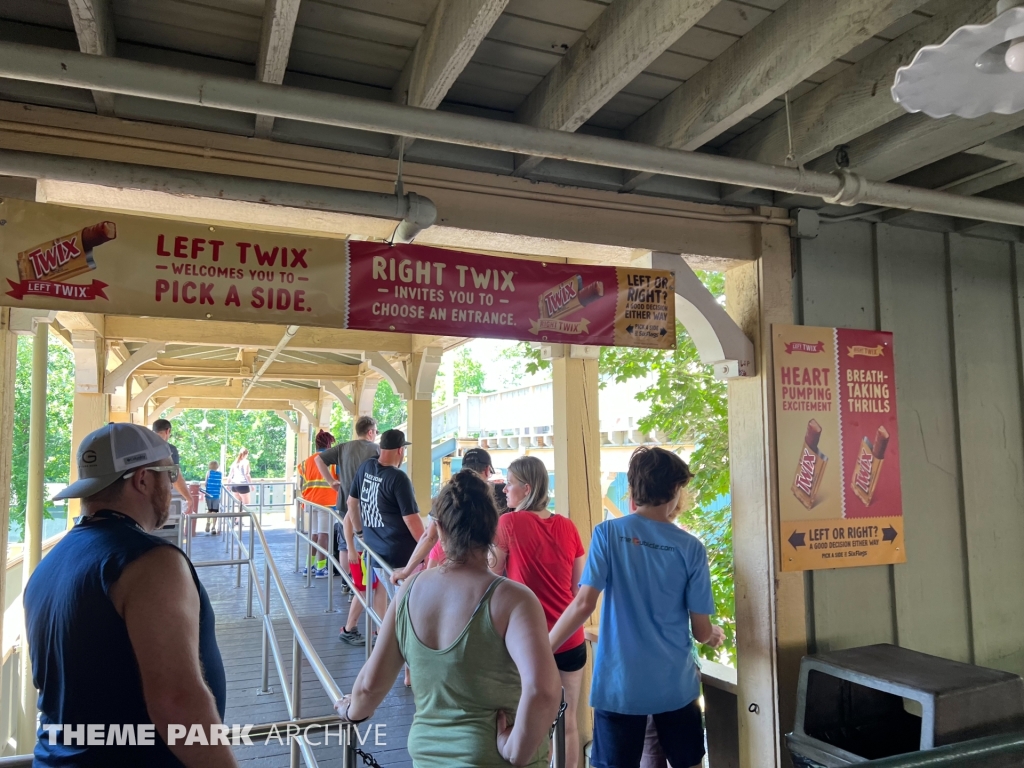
(956, 307)
(931, 594)
(850, 606)
(988, 381)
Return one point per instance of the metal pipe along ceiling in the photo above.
(289, 334)
(153, 81)
(414, 212)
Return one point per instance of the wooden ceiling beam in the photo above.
(235, 391)
(983, 181)
(94, 26)
(228, 404)
(232, 369)
(789, 46)
(855, 101)
(620, 44)
(1009, 148)
(217, 333)
(453, 33)
(913, 141)
(279, 18)
(82, 321)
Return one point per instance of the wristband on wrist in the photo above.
(348, 718)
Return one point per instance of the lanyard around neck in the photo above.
(109, 514)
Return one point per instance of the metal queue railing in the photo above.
(303, 525)
(264, 492)
(371, 561)
(234, 513)
(240, 553)
(303, 533)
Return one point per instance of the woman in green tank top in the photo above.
(483, 675)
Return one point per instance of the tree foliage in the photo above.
(59, 408)
(262, 432)
(388, 408)
(468, 373)
(342, 424)
(513, 366)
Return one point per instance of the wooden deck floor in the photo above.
(240, 644)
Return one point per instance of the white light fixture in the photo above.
(204, 424)
(979, 69)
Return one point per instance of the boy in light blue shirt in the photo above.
(657, 587)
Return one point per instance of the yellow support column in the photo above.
(770, 605)
(90, 405)
(33, 521)
(578, 471)
(90, 413)
(289, 454)
(303, 452)
(8, 366)
(418, 454)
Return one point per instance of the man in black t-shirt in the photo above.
(381, 502)
(477, 461)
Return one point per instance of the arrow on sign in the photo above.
(797, 539)
(889, 534)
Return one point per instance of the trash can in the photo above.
(880, 701)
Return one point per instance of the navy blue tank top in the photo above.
(83, 664)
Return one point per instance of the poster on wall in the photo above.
(61, 258)
(838, 448)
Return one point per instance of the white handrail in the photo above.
(302, 646)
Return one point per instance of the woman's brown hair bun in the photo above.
(465, 511)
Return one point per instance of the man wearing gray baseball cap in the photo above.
(120, 629)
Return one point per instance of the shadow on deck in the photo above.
(240, 645)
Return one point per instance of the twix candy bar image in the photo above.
(67, 256)
(568, 296)
(869, 466)
(811, 468)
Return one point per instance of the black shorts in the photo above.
(572, 660)
(240, 488)
(619, 739)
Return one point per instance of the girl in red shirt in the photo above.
(544, 551)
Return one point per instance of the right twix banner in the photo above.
(838, 448)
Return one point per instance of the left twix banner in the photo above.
(53, 257)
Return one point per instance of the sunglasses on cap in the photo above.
(172, 471)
